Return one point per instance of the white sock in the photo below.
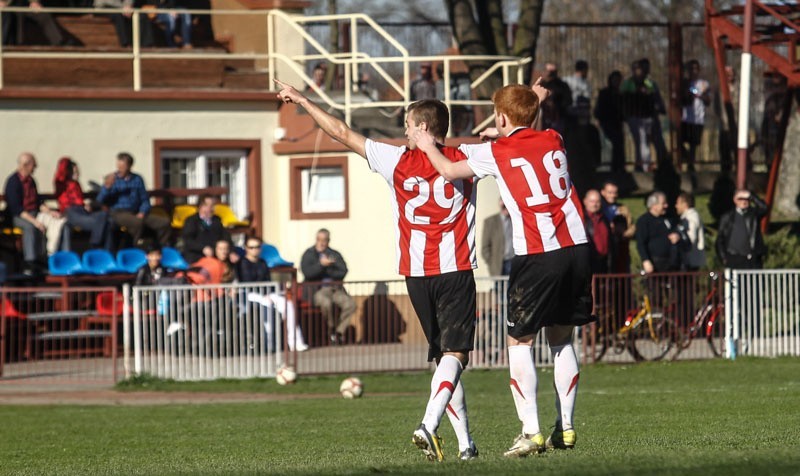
(457, 413)
(523, 387)
(565, 375)
(443, 385)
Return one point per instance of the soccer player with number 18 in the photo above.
(435, 225)
(550, 280)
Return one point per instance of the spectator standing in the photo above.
(639, 106)
(608, 112)
(424, 87)
(696, 97)
(726, 126)
(44, 20)
(740, 244)
(253, 269)
(656, 237)
(318, 76)
(202, 231)
(660, 109)
(555, 108)
(26, 210)
(322, 263)
(578, 82)
(692, 233)
(497, 247)
(623, 229)
(71, 204)
(124, 193)
(598, 230)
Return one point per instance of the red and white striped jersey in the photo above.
(531, 171)
(434, 219)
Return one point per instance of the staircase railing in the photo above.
(508, 67)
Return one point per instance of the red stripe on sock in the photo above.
(445, 385)
(515, 385)
(453, 412)
(574, 382)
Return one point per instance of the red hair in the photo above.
(63, 174)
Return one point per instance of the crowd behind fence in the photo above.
(245, 331)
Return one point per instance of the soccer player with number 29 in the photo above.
(435, 225)
(550, 280)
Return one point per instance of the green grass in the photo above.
(711, 417)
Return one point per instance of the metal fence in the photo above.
(187, 332)
(59, 335)
(763, 317)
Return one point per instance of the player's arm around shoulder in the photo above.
(451, 171)
(333, 126)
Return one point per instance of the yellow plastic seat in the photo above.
(180, 213)
(229, 219)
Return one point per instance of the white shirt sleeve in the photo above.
(383, 158)
(480, 159)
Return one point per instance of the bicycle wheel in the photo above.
(647, 345)
(715, 332)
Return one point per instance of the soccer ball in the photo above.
(286, 375)
(351, 387)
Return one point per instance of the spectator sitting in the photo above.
(656, 238)
(25, 210)
(44, 20)
(169, 21)
(322, 263)
(202, 231)
(151, 273)
(71, 203)
(124, 193)
(253, 269)
(692, 233)
(122, 22)
(222, 251)
(598, 230)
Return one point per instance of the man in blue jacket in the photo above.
(124, 194)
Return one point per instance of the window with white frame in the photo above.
(323, 190)
(208, 168)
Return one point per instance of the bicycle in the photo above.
(708, 322)
(647, 333)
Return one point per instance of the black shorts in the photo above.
(445, 306)
(547, 289)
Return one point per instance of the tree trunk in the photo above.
(467, 33)
(530, 17)
(490, 17)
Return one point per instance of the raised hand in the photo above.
(288, 94)
(541, 92)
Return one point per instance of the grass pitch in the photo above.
(711, 417)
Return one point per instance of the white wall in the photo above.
(93, 132)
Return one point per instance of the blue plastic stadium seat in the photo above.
(172, 259)
(273, 257)
(100, 262)
(130, 260)
(64, 263)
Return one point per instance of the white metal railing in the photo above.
(510, 68)
(188, 332)
(763, 312)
